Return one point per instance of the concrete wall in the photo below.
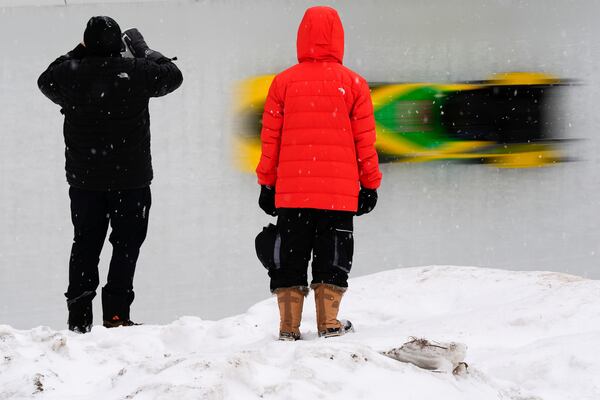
(199, 257)
(44, 3)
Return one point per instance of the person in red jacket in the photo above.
(318, 168)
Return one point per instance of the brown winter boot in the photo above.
(290, 301)
(327, 301)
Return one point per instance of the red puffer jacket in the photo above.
(318, 132)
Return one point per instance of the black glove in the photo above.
(135, 41)
(138, 46)
(367, 199)
(266, 200)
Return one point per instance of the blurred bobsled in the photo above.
(503, 121)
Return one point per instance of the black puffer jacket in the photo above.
(107, 124)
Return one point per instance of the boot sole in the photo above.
(287, 338)
(341, 332)
(111, 325)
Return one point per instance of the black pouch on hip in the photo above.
(268, 247)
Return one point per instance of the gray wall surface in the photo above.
(199, 256)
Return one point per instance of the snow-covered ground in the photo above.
(204, 215)
(530, 336)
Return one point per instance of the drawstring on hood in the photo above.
(320, 36)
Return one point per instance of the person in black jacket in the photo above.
(104, 98)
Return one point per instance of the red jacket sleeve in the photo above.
(270, 137)
(363, 129)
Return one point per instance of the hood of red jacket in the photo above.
(320, 36)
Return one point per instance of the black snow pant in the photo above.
(91, 212)
(327, 234)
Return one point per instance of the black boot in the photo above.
(116, 322)
(80, 313)
(116, 308)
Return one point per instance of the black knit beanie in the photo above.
(102, 36)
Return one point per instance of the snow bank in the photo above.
(531, 335)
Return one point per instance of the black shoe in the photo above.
(80, 313)
(115, 308)
(80, 328)
(346, 327)
(115, 322)
(289, 336)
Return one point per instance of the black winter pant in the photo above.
(328, 235)
(91, 212)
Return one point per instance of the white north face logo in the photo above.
(342, 91)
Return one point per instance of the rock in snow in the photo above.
(531, 336)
